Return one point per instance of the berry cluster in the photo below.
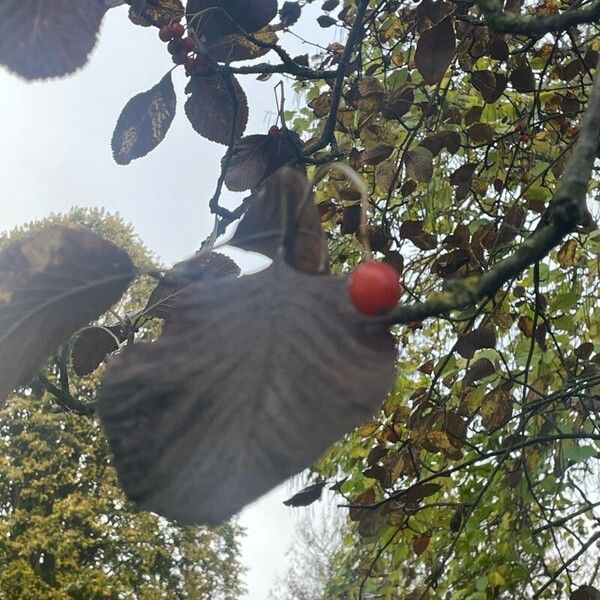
(182, 48)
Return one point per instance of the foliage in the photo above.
(67, 529)
(473, 129)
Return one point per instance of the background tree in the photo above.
(67, 530)
(471, 130)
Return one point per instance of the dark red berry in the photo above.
(164, 33)
(180, 58)
(193, 63)
(175, 46)
(273, 130)
(374, 287)
(177, 30)
(188, 44)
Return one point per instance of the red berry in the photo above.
(273, 130)
(177, 30)
(175, 46)
(164, 33)
(193, 63)
(180, 58)
(374, 287)
(188, 44)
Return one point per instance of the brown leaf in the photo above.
(482, 337)
(210, 107)
(420, 543)
(463, 174)
(525, 324)
(250, 384)
(413, 230)
(92, 346)
(203, 266)
(350, 219)
(585, 592)
(366, 497)
(456, 429)
(215, 19)
(584, 351)
(52, 284)
(326, 21)
(398, 103)
(540, 336)
(422, 490)
(566, 254)
(419, 164)
(435, 51)
(478, 370)
(442, 139)
(489, 84)
(498, 48)
(306, 496)
(497, 408)
(420, 592)
(522, 79)
(48, 38)
(157, 12)
(377, 154)
(255, 157)
(144, 122)
(511, 224)
(236, 46)
(481, 132)
(286, 193)
(289, 13)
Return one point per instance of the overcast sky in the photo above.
(56, 155)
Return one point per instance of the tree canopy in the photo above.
(456, 140)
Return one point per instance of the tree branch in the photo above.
(561, 218)
(504, 22)
(354, 37)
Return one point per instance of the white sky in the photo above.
(56, 155)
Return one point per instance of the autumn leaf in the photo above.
(52, 284)
(157, 13)
(181, 414)
(497, 408)
(489, 84)
(203, 266)
(420, 543)
(235, 46)
(255, 157)
(210, 107)
(585, 592)
(144, 122)
(419, 164)
(282, 216)
(418, 492)
(482, 337)
(478, 370)
(377, 154)
(92, 346)
(435, 51)
(215, 19)
(522, 79)
(48, 38)
(307, 495)
(566, 254)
